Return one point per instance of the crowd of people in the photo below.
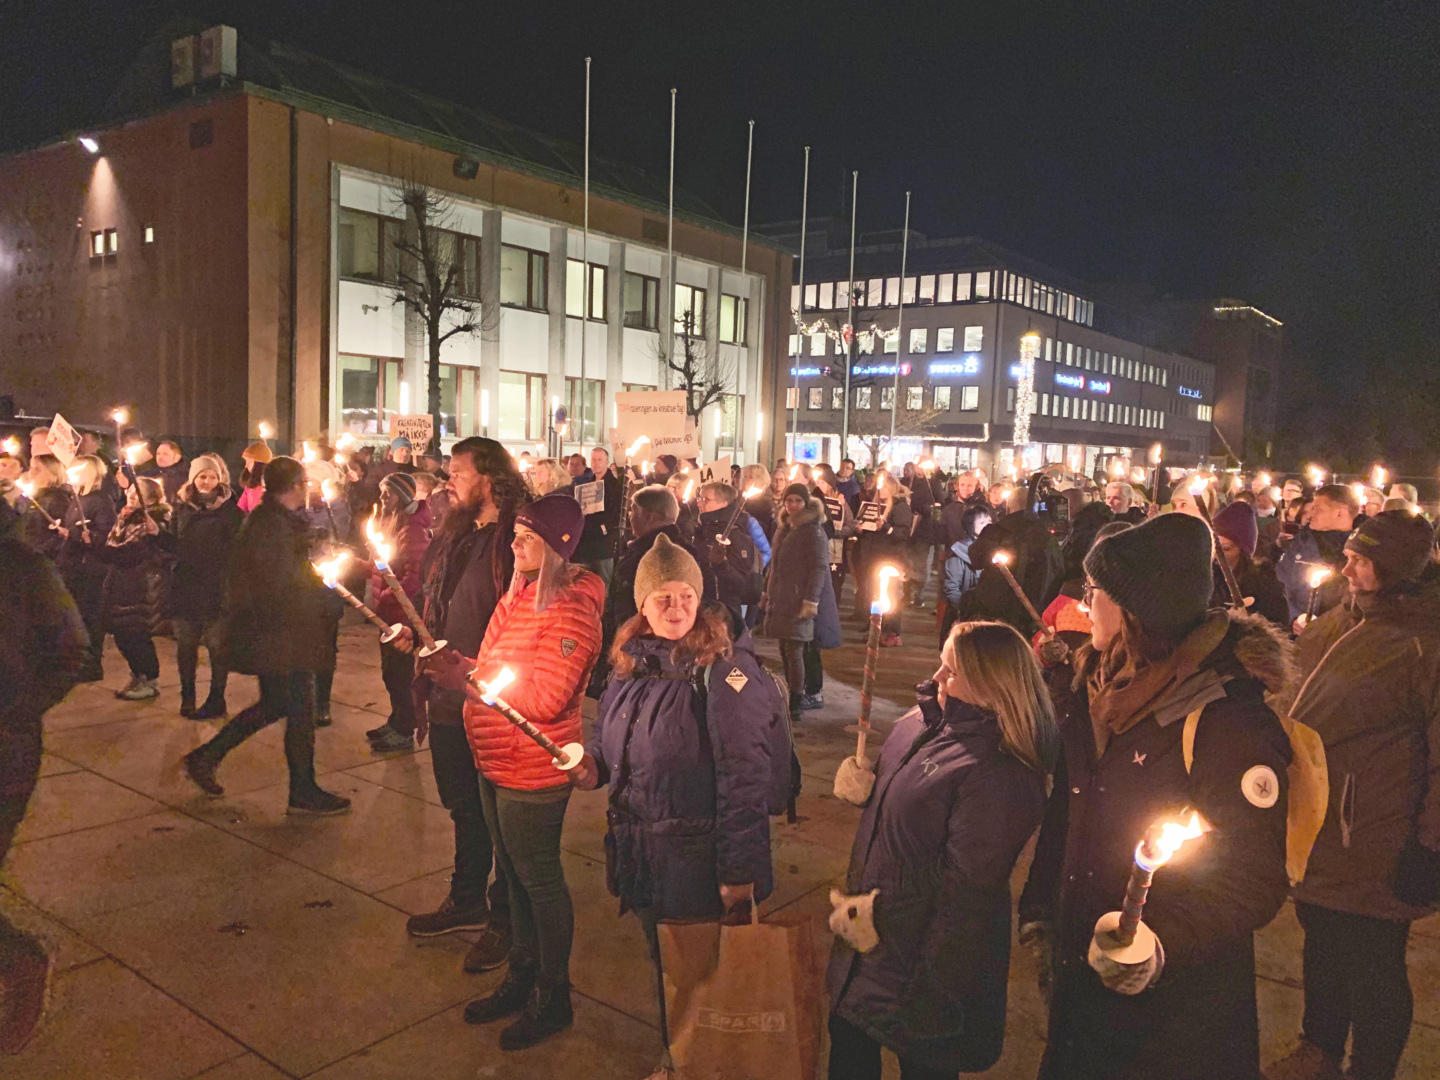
(1143, 653)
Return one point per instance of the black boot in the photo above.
(797, 705)
(187, 700)
(213, 709)
(507, 999)
(547, 1013)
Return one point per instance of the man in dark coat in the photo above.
(42, 653)
(597, 541)
(1372, 693)
(1320, 545)
(276, 625)
(1036, 561)
(734, 560)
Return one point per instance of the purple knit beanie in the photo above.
(556, 519)
(1238, 524)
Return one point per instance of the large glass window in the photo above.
(792, 397)
(732, 406)
(945, 339)
(914, 398)
(366, 246)
(945, 289)
(862, 397)
(970, 399)
(575, 290)
(974, 338)
(642, 302)
(522, 277)
(463, 252)
(369, 393)
(734, 313)
(594, 403)
(690, 310)
(816, 397)
(982, 285)
(887, 398)
(942, 398)
(837, 398)
(917, 340)
(521, 409)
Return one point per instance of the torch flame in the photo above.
(347, 441)
(928, 465)
(1360, 494)
(1319, 576)
(1172, 837)
(753, 490)
(635, 446)
(27, 488)
(886, 573)
(645, 467)
(329, 570)
(133, 452)
(310, 455)
(1002, 558)
(1315, 474)
(12, 446)
(794, 471)
(74, 473)
(1264, 479)
(1198, 485)
(377, 541)
(499, 682)
(1157, 453)
(328, 490)
(1378, 477)
(1117, 468)
(120, 414)
(689, 487)
(266, 431)
(1137, 475)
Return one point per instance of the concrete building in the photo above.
(217, 250)
(966, 305)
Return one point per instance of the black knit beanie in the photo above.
(1158, 571)
(1399, 543)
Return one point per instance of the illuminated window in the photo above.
(690, 310)
(365, 244)
(794, 344)
(112, 241)
(974, 339)
(914, 398)
(942, 398)
(522, 277)
(816, 398)
(887, 397)
(149, 234)
(892, 341)
(917, 341)
(982, 285)
(907, 292)
(945, 289)
(810, 295)
(862, 397)
(945, 339)
(792, 397)
(837, 398)
(892, 291)
(875, 292)
(817, 344)
(97, 243)
(970, 399)
(642, 304)
(927, 289)
(575, 289)
(827, 296)
(734, 313)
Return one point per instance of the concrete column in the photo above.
(714, 280)
(555, 301)
(755, 407)
(666, 337)
(491, 315)
(614, 335)
(413, 372)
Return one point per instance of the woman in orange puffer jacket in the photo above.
(546, 630)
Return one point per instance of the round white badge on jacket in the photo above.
(1260, 787)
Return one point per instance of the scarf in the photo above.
(1134, 692)
(131, 528)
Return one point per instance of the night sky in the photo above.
(1285, 154)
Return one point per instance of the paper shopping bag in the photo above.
(744, 1002)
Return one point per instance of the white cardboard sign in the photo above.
(63, 440)
(418, 428)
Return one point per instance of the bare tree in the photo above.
(870, 421)
(433, 281)
(704, 378)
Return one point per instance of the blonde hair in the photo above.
(554, 577)
(754, 474)
(90, 473)
(1000, 670)
(548, 475)
(48, 465)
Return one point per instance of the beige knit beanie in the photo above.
(666, 562)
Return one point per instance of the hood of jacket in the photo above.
(187, 496)
(811, 513)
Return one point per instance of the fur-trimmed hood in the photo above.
(811, 513)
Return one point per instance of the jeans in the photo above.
(459, 782)
(397, 669)
(814, 669)
(189, 636)
(138, 648)
(854, 1055)
(526, 826)
(1355, 977)
(291, 696)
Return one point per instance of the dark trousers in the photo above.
(526, 826)
(792, 659)
(1355, 978)
(814, 669)
(856, 1056)
(324, 680)
(650, 923)
(291, 696)
(459, 783)
(397, 669)
(138, 648)
(189, 636)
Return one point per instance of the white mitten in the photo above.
(1130, 969)
(854, 919)
(854, 781)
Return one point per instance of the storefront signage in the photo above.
(1185, 391)
(1099, 386)
(968, 366)
(806, 372)
(1074, 382)
(880, 369)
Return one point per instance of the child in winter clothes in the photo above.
(134, 594)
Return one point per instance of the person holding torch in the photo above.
(541, 642)
(1161, 664)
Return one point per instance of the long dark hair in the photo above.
(507, 491)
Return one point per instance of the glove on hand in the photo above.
(854, 782)
(854, 919)
(449, 670)
(1416, 880)
(808, 609)
(927, 696)
(1127, 978)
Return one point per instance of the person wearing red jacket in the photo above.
(405, 522)
(546, 631)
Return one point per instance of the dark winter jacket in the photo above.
(1372, 692)
(949, 816)
(737, 566)
(407, 555)
(81, 566)
(762, 508)
(597, 542)
(922, 502)
(277, 615)
(1199, 1021)
(35, 530)
(172, 478)
(1309, 550)
(800, 573)
(1257, 581)
(1036, 561)
(687, 760)
(960, 575)
(890, 540)
(464, 577)
(204, 538)
(134, 598)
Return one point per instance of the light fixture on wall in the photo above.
(90, 145)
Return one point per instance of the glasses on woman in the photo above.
(1087, 594)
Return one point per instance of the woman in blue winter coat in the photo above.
(683, 739)
(923, 955)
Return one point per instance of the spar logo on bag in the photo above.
(741, 1023)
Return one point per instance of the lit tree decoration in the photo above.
(1025, 392)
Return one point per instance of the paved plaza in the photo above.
(219, 939)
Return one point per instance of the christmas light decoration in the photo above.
(1025, 392)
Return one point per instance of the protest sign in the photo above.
(660, 417)
(718, 470)
(872, 514)
(63, 440)
(591, 497)
(417, 428)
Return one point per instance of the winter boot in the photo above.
(213, 709)
(507, 999)
(187, 700)
(314, 801)
(797, 705)
(491, 948)
(448, 918)
(548, 1012)
(140, 689)
(200, 768)
(1306, 1062)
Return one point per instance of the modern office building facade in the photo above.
(220, 250)
(961, 310)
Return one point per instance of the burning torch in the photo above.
(121, 416)
(12, 446)
(1378, 476)
(1315, 474)
(73, 474)
(750, 493)
(27, 488)
(382, 563)
(879, 608)
(1157, 455)
(566, 757)
(329, 572)
(1121, 936)
(1197, 489)
(1318, 577)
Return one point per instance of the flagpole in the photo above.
(670, 244)
(740, 333)
(899, 324)
(850, 322)
(585, 267)
(799, 312)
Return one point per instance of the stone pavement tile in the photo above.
(386, 838)
(602, 1045)
(247, 1067)
(145, 754)
(106, 1022)
(608, 962)
(408, 773)
(318, 972)
(81, 877)
(67, 949)
(585, 824)
(420, 895)
(78, 800)
(801, 866)
(92, 703)
(50, 765)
